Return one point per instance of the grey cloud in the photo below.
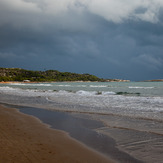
(149, 61)
(79, 39)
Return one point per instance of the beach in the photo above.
(116, 121)
(24, 138)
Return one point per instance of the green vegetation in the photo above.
(17, 74)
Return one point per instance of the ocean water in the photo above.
(132, 112)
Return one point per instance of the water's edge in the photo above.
(80, 128)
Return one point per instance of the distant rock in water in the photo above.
(154, 80)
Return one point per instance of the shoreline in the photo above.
(107, 81)
(132, 128)
(26, 139)
(75, 129)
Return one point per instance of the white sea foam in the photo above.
(96, 100)
(82, 86)
(30, 84)
(67, 85)
(86, 93)
(135, 87)
(108, 93)
(63, 85)
(98, 86)
(7, 88)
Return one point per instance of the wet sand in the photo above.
(25, 139)
(82, 128)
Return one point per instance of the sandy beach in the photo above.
(24, 138)
(85, 126)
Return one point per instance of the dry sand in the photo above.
(25, 139)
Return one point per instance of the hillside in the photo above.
(17, 74)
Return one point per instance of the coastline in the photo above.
(26, 139)
(121, 137)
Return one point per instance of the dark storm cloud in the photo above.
(83, 36)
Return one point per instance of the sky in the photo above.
(120, 39)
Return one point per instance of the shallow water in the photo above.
(132, 113)
(82, 129)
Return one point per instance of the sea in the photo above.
(131, 112)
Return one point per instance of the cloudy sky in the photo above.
(107, 38)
